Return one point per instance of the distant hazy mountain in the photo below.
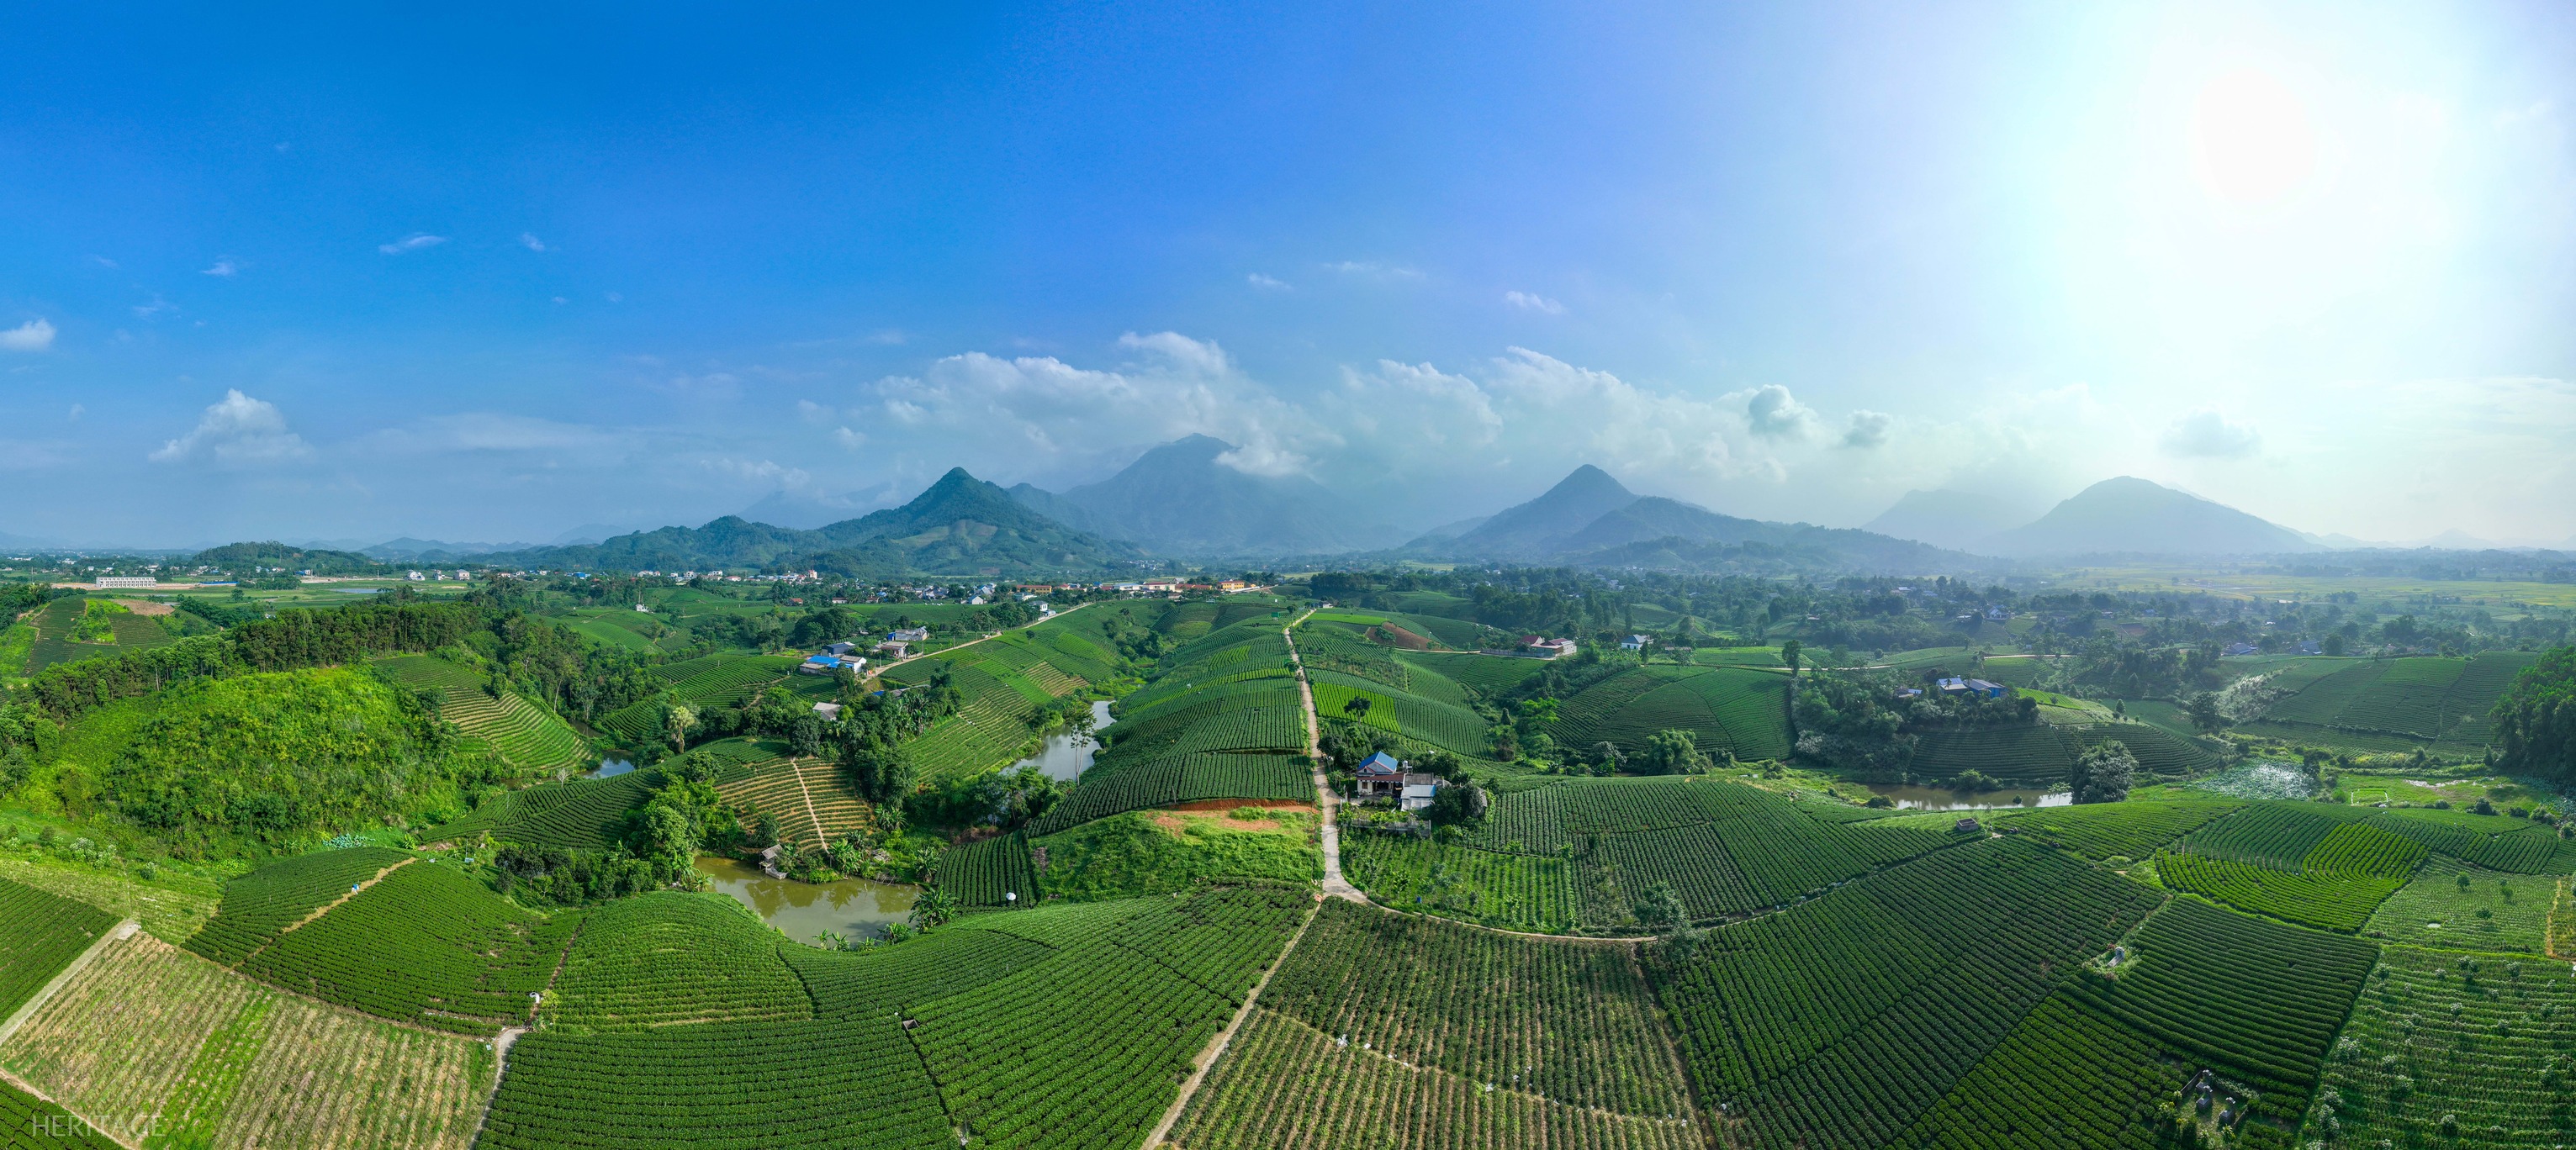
(589, 533)
(961, 525)
(2129, 515)
(1673, 523)
(410, 550)
(26, 543)
(1178, 499)
(1589, 519)
(1533, 529)
(1958, 520)
(243, 558)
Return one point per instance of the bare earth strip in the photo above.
(150, 1030)
(1329, 835)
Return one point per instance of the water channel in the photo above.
(1067, 755)
(1913, 798)
(851, 908)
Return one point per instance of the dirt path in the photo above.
(1216, 1046)
(1328, 833)
(816, 821)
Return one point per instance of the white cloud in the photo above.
(1868, 429)
(411, 243)
(224, 268)
(848, 439)
(33, 335)
(530, 241)
(560, 299)
(2207, 434)
(1537, 303)
(1039, 414)
(1267, 283)
(236, 431)
(1774, 414)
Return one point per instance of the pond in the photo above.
(611, 768)
(851, 908)
(1936, 799)
(1067, 755)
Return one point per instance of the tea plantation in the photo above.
(1187, 945)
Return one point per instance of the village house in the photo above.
(909, 635)
(1634, 643)
(1382, 776)
(1543, 647)
(1977, 687)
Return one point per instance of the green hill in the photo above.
(961, 525)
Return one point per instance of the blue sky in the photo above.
(493, 273)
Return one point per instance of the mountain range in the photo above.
(960, 525)
(1185, 499)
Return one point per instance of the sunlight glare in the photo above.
(2252, 138)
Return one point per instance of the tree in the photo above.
(2102, 773)
(2204, 712)
(1458, 804)
(1671, 752)
(2535, 722)
(1659, 909)
(1606, 759)
(677, 719)
(934, 907)
(1789, 655)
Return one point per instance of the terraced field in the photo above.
(582, 814)
(523, 734)
(809, 801)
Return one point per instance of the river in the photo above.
(1937, 799)
(851, 908)
(1067, 755)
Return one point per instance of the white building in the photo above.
(106, 581)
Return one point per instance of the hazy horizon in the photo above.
(346, 276)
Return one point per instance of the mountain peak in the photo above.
(2129, 515)
(1585, 494)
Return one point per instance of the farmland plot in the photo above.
(148, 1031)
(40, 934)
(2482, 1039)
(1841, 1022)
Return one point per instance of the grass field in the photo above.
(1735, 709)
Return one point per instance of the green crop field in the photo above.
(2493, 911)
(2129, 830)
(1487, 1039)
(2423, 698)
(2453, 1049)
(1902, 982)
(582, 814)
(1727, 708)
(258, 906)
(425, 945)
(41, 933)
(1582, 851)
(669, 957)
